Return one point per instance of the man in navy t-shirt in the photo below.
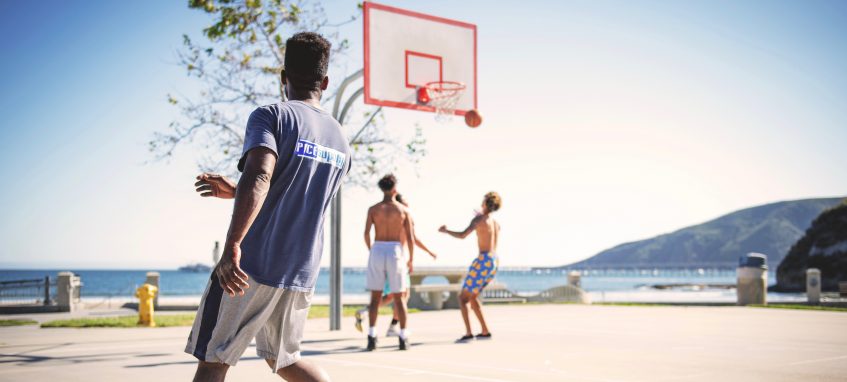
(293, 161)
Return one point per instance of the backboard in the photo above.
(406, 50)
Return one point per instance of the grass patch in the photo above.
(803, 307)
(17, 322)
(166, 320)
(163, 320)
(322, 311)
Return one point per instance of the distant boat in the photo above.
(203, 268)
(196, 268)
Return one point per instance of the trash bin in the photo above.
(752, 284)
(813, 285)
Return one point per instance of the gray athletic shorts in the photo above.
(225, 325)
(387, 263)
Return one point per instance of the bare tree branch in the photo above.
(239, 67)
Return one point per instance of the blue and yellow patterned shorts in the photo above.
(481, 272)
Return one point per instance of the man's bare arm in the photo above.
(410, 238)
(369, 222)
(249, 197)
(420, 244)
(462, 234)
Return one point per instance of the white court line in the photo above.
(410, 371)
(817, 360)
(565, 372)
(476, 365)
(688, 376)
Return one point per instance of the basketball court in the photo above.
(531, 343)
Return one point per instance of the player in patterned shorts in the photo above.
(484, 266)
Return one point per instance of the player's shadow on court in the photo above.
(344, 350)
(305, 352)
(53, 361)
(326, 341)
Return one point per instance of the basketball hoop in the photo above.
(443, 96)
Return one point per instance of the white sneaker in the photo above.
(392, 331)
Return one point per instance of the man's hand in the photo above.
(228, 271)
(215, 185)
(442, 229)
(409, 265)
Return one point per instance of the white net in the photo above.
(444, 96)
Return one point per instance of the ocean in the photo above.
(603, 285)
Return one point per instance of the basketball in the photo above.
(472, 118)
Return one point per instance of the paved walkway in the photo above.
(531, 343)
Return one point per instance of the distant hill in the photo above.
(770, 229)
(824, 246)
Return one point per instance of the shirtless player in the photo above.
(387, 297)
(484, 266)
(393, 225)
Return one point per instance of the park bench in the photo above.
(494, 293)
(564, 293)
(842, 288)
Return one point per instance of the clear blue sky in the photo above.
(605, 122)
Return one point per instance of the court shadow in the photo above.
(25, 359)
(186, 362)
(328, 340)
(153, 355)
(344, 350)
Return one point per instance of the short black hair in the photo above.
(387, 182)
(306, 60)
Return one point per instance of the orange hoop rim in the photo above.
(445, 88)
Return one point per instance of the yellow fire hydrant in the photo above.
(146, 293)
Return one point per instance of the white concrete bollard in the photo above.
(574, 279)
(65, 292)
(153, 279)
(813, 285)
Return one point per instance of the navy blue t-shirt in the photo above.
(284, 245)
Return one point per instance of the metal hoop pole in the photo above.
(349, 104)
(335, 269)
(340, 92)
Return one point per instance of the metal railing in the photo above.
(32, 291)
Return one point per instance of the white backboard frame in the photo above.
(419, 64)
